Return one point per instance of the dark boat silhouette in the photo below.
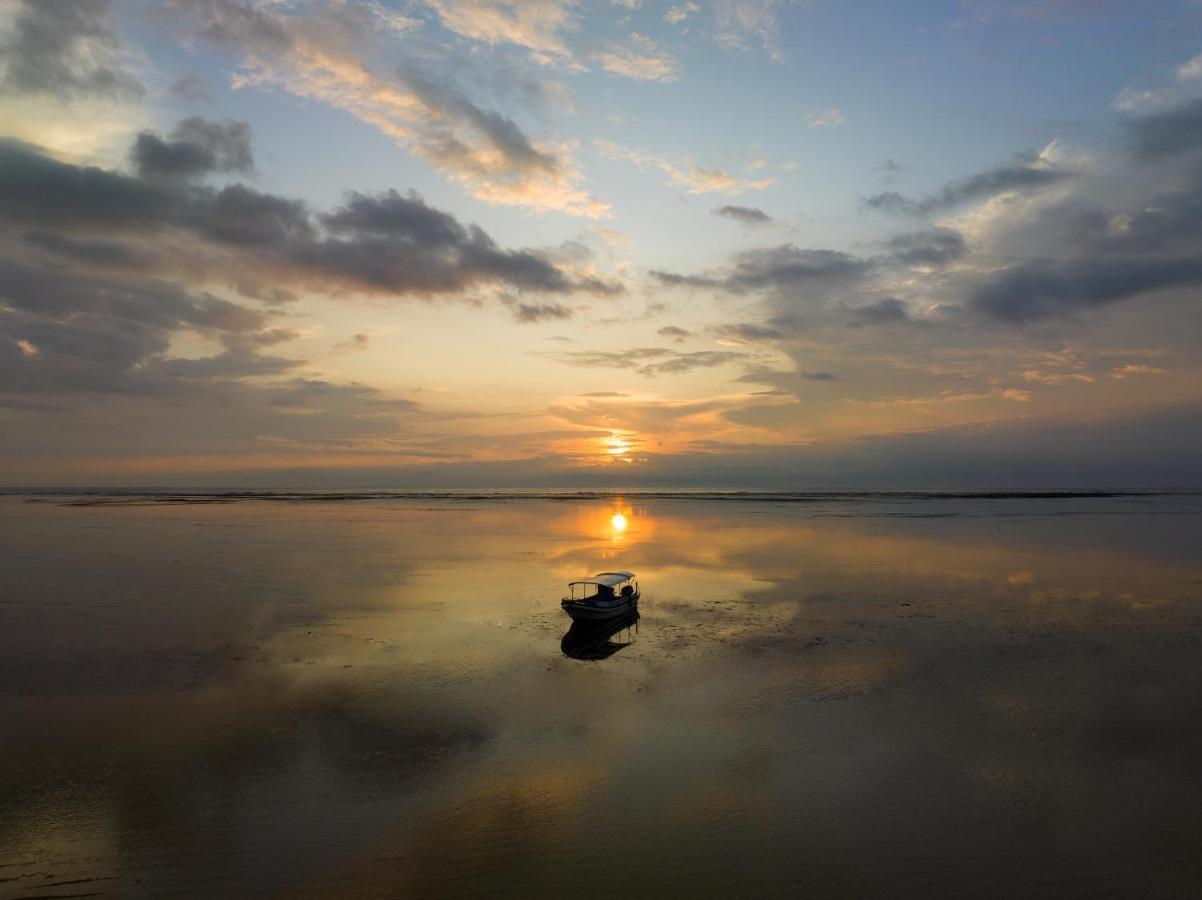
(604, 596)
(591, 639)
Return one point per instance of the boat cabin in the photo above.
(605, 586)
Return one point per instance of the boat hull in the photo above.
(588, 610)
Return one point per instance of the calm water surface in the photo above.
(936, 696)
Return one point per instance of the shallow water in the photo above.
(827, 695)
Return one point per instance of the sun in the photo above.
(618, 523)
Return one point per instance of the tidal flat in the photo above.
(369, 695)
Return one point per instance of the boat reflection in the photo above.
(591, 639)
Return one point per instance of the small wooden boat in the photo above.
(604, 596)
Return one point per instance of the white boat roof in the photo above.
(608, 579)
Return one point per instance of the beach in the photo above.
(264, 694)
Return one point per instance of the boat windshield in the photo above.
(588, 590)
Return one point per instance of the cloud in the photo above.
(1166, 134)
(1057, 378)
(819, 376)
(196, 147)
(536, 25)
(828, 118)
(784, 267)
(738, 23)
(748, 332)
(1126, 371)
(890, 309)
(685, 174)
(651, 361)
(332, 54)
(38, 190)
(677, 14)
(1134, 100)
(540, 312)
(64, 49)
(359, 341)
(674, 332)
(103, 335)
(384, 243)
(99, 253)
(639, 58)
(1190, 69)
(746, 215)
(191, 88)
(1029, 172)
(933, 247)
(1039, 290)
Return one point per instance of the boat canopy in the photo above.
(605, 579)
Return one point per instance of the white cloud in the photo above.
(1191, 69)
(736, 22)
(639, 58)
(324, 59)
(677, 14)
(1132, 100)
(1122, 372)
(686, 174)
(533, 24)
(828, 118)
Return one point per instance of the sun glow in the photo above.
(618, 523)
(615, 446)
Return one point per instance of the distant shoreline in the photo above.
(120, 496)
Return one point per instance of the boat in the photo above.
(603, 596)
(590, 639)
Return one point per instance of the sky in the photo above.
(621, 243)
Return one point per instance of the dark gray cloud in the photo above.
(498, 130)
(191, 88)
(230, 364)
(540, 312)
(85, 250)
(746, 215)
(1039, 290)
(749, 331)
(651, 361)
(781, 268)
(387, 243)
(398, 243)
(81, 332)
(933, 247)
(55, 293)
(675, 333)
(38, 190)
(1165, 134)
(244, 217)
(302, 392)
(1026, 173)
(819, 376)
(884, 311)
(195, 147)
(63, 49)
(228, 23)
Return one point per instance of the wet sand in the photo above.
(365, 697)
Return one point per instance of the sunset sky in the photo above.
(503, 243)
